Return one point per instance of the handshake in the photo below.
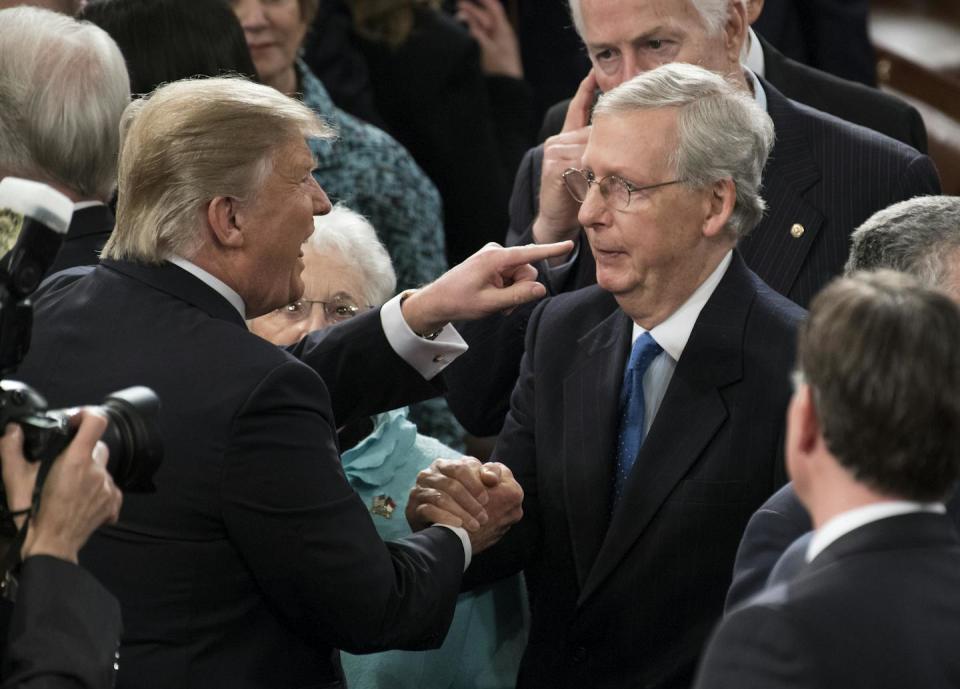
(484, 499)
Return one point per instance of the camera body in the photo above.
(132, 436)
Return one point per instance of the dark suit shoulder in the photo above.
(848, 100)
(573, 313)
(756, 646)
(845, 147)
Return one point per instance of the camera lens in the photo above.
(133, 438)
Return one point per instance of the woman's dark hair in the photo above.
(168, 40)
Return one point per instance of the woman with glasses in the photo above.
(347, 271)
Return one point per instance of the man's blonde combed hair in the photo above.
(189, 142)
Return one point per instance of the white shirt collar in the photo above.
(850, 520)
(673, 333)
(213, 282)
(80, 205)
(752, 55)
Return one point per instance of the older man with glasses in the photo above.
(647, 422)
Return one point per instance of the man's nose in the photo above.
(593, 207)
(321, 203)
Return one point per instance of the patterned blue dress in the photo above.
(482, 650)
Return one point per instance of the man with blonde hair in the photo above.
(63, 88)
(254, 561)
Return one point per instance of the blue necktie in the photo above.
(632, 410)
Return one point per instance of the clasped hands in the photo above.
(484, 499)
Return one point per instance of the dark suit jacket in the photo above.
(830, 35)
(628, 601)
(823, 174)
(89, 230)
(848, 100)
(780, 521)
(64, 631)
(879, 608)
(255, 558)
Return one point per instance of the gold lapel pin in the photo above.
(796, 231)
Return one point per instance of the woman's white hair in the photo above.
(354, 238)
(722, 133)
(63, 88)
(189, 142)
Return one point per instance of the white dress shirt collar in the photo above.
(213, 282)
(80, 205)
(752, 56)
(851, 520)
(673, 333)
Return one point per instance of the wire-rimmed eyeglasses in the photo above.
(335, 310)
(616, 191)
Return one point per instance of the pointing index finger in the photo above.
(530, 253)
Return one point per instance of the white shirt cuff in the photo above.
(428, 357)
(465, 539)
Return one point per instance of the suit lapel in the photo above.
(690, 415)
(591, 400)
(778, 246)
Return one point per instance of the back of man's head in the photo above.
(920, 236)
(882, 355)
(722, 133)
(189, 142)
(63, 88)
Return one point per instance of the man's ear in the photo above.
(735, 30)
(808, 420)
(222, 221)
(720, 203)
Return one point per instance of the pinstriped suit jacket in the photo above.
(824, 175)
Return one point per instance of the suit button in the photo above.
(579, 654)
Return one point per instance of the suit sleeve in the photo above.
(480, 381)
(516, 447)
(65, 629)
(305, 534)
(360, 368)
(769, 533)
(755, 648)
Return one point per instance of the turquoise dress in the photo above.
(489, 630)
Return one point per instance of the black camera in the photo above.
(38, 217)
(132, 434)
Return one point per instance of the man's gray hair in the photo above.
(722, 133)
(189, 142)
(63, 88)
(713, 12)
(349, 233)
(917, 236)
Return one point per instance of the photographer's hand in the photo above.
(78, 494)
